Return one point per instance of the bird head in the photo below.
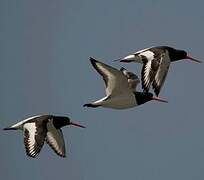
(142, 98)
(176, 55)
(60, 121)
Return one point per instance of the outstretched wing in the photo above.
(34, 138)
(133, 79)
(161, 74)
(55, 139)
(152, 60)
(116, 82)
(148, 73)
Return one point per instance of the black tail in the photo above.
(91, 105)
(9, 128)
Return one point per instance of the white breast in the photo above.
(122, 101)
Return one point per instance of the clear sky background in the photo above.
(45, 69)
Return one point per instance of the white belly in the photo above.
(120, 102)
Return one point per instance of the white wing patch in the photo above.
(32, 146)
(55, 139)
(148, 54)
(146, 75)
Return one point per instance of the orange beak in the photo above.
(78, 125)
(192, 59)
(159, 99)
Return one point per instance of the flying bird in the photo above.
(41, 128)
(156, 62)
(120, 88)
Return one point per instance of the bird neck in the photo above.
(138, 98)
(142, 97)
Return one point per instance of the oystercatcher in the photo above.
(120, 92)
(156, 62)
(38, 129)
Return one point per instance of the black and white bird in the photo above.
(120, 88)
(41, 128)
(156, 62)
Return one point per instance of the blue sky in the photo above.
(45, 69)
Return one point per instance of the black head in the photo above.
(176, 54)
(60, 121)
(142, 97)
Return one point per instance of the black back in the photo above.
(174, 54)
(58, 121)
(142, 97)
(40, 120)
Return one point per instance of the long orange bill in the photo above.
(159, 99)
(78, 125)
(192, 59)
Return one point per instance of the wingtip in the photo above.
(31, 155)
(62, 155)
(157, 91)
(87, 105)
(90, 105)
(9, 128)
(92, 59)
